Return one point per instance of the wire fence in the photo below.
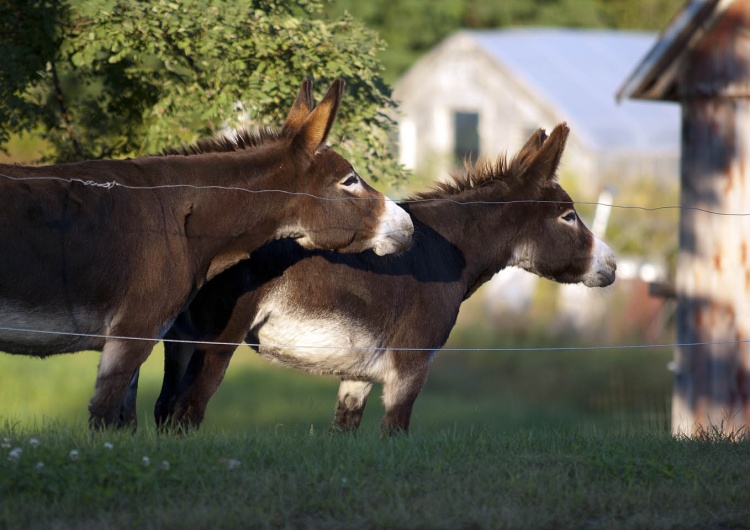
(377, 348)
(114, 184)
(111, 185)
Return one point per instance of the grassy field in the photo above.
(493, 390)
(497, 390)
(499, 439)
(448, 478)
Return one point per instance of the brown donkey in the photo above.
(97, 252)
(367, 319)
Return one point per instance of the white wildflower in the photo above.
(230, 463)
(146, 461)
(39, 467)
(34, 442)
(73, 455)
(5, 444)
(15, 454)
(165, 465)
(108, 445)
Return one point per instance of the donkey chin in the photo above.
(382, 244)
(392, 235)
(601, 273)
(393, 243)
(394, 231)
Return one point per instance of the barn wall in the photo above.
(457, 76)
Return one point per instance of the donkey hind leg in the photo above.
(352, 399)
(177, 357)
(203, 377)
(119, 363)
(401, 387)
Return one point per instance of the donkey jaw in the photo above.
(394, 231)
(601, 273)
(394, 244)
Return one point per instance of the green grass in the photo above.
(496, 390)
(448, 478)
(531, 439)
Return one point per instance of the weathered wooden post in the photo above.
(702, 60)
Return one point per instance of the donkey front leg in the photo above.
(119, 363)
(352, 399)
(402, 385)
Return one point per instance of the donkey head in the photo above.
(337, 210)
(556, 245)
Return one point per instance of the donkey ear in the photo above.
(549, 154)
(535, 141)
(316, 126)
(301, 109)
(528, 152)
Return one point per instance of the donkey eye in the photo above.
(570, 217)
(351, 181)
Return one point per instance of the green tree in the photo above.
(643, 14)
(111, 79)
(409, 27)
(29, 40)
(413, 27)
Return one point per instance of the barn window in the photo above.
(465, 136)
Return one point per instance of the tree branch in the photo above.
(60, 97)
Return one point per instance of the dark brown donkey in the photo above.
(366, 319)
(100, 251)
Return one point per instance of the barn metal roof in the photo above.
(578, 72)
(655, 75)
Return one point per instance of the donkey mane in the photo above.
(237, 140)
(501, 176)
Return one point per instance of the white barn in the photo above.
(486, 91)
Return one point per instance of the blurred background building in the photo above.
(483, 92)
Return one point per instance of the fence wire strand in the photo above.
(114, 184)
(109, 185)
(386, 348)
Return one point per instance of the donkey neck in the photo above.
(481, 233)
(229, 203)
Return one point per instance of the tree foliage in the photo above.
(108, 78)
(111, 79)
(412, 27)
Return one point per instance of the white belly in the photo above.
(321, 343)
(32, 331)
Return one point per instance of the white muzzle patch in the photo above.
(394, 230)
(603, 266)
